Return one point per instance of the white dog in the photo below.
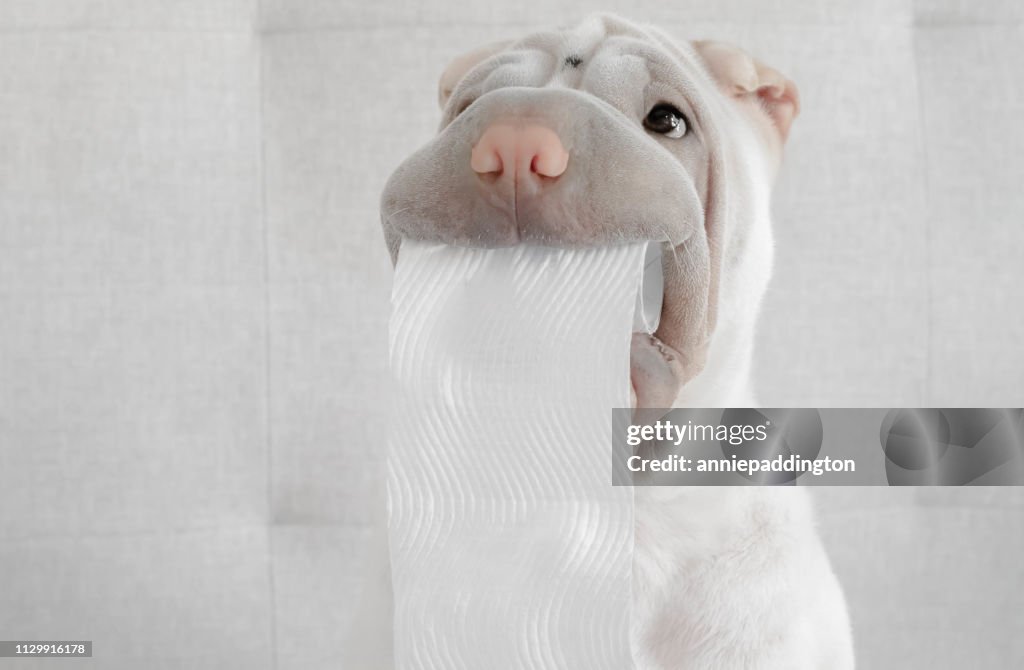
(612, 132)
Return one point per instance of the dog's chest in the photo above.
(709, 566)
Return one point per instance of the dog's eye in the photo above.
(666, 120)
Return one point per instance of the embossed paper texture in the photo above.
(507, 541)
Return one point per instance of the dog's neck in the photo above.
(726, 378)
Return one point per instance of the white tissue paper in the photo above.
(509, 546)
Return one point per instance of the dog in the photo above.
(611, 132)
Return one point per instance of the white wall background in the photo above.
(194, 299)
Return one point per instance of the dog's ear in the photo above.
(459, 67)
(739, 75)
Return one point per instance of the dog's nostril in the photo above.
(550, 162)
(494, 150)
(485, 160)
(531, 150)
(548, 156)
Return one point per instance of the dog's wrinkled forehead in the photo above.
(629, 67)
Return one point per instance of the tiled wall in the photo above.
(194, 299)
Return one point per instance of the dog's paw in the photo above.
(656, 371)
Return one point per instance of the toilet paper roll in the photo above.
(509, 546)
(647, 314)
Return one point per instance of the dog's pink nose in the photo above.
(505, 150)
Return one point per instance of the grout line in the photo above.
(142, 29)
(912, 23)
(268, 375)
(531, 25)
(172, 531)
(922, 141)
(948, 23)
(260, 30)
(224, 527)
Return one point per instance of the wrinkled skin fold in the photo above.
(622, 184)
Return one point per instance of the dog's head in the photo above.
(602, 134)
